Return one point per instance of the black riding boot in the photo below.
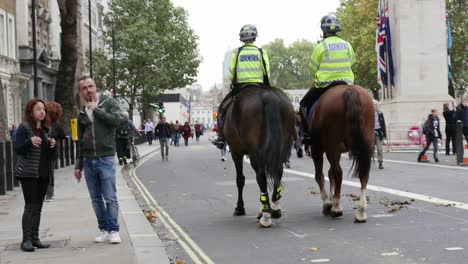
(303, 114)
(27, 225)
(35, 231)
(219, 142)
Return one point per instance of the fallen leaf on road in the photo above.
(228, 195)
(315, 249)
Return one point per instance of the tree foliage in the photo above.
(457, 11)
(357, 18)
(155, 49)
(289, 66)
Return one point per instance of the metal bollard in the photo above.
(459, 142)
(3, 183)
(61, 154)
(67, 151)
(9, 165)
(15, 180)
(72, 151)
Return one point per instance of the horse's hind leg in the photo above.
(336, 176)
(276, 196)
(361, 215)
(265, 219)
(240, 181)
(319, 178)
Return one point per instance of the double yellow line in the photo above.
(192, 249)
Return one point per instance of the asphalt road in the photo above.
(416, 214)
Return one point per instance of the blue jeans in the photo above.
(100, 179)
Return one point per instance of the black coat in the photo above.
(450, 121)
(430, 126)
(383, 129)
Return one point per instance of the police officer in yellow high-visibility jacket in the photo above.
(249, 65)
(331, 63)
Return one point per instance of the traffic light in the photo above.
(215, 115)
(161, 108)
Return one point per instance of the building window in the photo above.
(3, 35)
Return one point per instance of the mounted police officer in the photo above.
(249, 65)
(331, 63)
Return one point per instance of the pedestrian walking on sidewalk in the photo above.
(124, 133)
(163, 133)
(54, 112)
(35, 150)
(97, 122)
(432, 131)
(149, 127)
(380, 133)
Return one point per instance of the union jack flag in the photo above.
(383, 46)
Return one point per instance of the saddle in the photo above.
(332, 84)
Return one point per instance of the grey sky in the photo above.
(217, 23)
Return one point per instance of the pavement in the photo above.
(69, 224)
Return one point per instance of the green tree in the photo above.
(155, 49)
(289, 66)
(457, 11)
(357, 18)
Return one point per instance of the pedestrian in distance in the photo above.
(198, 131)
(431, 129)
(462, 115)
(149, 128)
(450, 129)
(177, 132)
(35, 150)
(123, 134)
(186, 132)
(380, 132)
(54, 112)
(163, 133)
(97, 122)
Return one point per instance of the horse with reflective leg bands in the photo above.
(342, 121)
(259, 123)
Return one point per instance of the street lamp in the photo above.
(90, 41)
(34, 42)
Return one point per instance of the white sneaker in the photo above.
(102, 237)
(223, 158)
(114, 237)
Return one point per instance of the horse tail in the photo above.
(272, 151)
(355, 137)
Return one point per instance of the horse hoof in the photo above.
(238, 212)
(336, 214)
(360, 218)
(327, 209)
(259, 216)
(276, 214)
(265, 223)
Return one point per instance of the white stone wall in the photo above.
(203, 114)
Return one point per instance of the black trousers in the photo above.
(450, 135)
(122, 148)
(311, 97)
(34, 190)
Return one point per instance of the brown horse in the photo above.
(343, 121)
(259, 123)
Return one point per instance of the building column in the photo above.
(420, 59)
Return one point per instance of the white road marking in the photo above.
(319, 260)
(454, 248)
(420, 197)
(390, 254)
(427, 164)
(381, 215)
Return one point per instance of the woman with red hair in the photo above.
(54, 112)
(34, 148)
